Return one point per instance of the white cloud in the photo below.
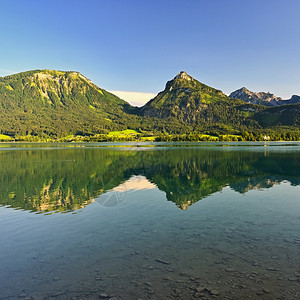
(134, 98)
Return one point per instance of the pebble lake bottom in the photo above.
(173, 223)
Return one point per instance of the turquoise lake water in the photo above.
(150, 221)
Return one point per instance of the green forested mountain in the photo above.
(55, 104)
(285, 115)
(209, 110)
(190, 101)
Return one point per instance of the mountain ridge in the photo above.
(262, 98)
(192, 102)
(50, 103)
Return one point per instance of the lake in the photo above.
(150, 221)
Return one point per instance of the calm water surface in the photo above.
(108, 221)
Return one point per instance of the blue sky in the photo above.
(137, 45)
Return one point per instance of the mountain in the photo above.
(295, 99)
(262, 98)
(281, 115)
(190, 101)
(56, 103)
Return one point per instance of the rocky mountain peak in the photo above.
(262, 98)
(244, 89)
(183, 75)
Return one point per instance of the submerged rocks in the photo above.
(56, 279)
(215, 292)
(200, 289)
(162, 261)
(229, 269)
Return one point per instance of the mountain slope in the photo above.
(262, 98)
(191, 101)
(295, 99)
(55, 103)
(283, 115)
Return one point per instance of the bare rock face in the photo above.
(183, 75)
(262, 98)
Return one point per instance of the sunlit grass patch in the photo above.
(4, 137)
(123, 132)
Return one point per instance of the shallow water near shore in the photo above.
(90, 221)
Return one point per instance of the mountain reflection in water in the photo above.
(65, 180)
